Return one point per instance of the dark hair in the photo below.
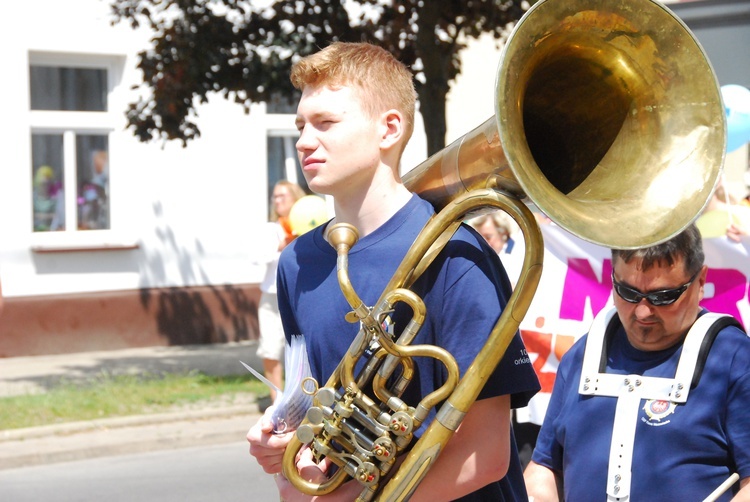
(687, 245)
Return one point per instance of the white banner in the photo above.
(576, 284)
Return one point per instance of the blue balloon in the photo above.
(737, 104)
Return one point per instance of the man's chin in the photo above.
(640, 336)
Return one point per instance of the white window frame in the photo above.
(71, 124)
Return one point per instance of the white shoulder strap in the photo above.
(592, 356)
(690, 351)
(631, 389)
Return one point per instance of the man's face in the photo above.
(339, 143)
(656, 328)
(492, 235)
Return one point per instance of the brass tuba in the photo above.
(608, 118)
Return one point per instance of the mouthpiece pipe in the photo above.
(342, 236)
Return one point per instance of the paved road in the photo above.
(209, 473)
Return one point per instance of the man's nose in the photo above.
(643, 309)
(306, 140)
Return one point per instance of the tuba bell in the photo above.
(608, 119)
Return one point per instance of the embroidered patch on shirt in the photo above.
(657, 410)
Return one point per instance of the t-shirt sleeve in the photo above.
(286, 311)
(738, 399)
(474, 299)
(548, 450)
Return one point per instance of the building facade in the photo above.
(108, 242)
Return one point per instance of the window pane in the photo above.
(92, 172)
(276, 169)
(68, 89)
(283, 163)
(47, 182)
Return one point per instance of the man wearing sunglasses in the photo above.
(654, 402)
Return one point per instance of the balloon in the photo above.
(737, 104)
(307, 213)
(714, 223)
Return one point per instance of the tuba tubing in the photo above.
(441, 429)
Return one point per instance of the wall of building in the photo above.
(180, 217)
(109, 320)
(183, 220)
(723, 29)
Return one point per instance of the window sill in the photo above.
(83, 247)
(96, 241)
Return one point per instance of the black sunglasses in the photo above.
(655, 298)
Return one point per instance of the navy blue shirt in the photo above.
(681, 452)
(464, 291)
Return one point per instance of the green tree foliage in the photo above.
(244, 50)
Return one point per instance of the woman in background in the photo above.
(277, 234)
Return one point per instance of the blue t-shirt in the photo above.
(464, 291)
(681, 452)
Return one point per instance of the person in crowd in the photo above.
(727, 213)
(355, 116)
(498, 229)
(652, 402)
(277, 235)
(738, 229)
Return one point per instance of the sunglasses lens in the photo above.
(665, 297)
(627, 294)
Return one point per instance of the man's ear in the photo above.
(392, 128)
(702, 281)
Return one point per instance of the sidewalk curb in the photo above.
(123, 435)
(128, 421)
